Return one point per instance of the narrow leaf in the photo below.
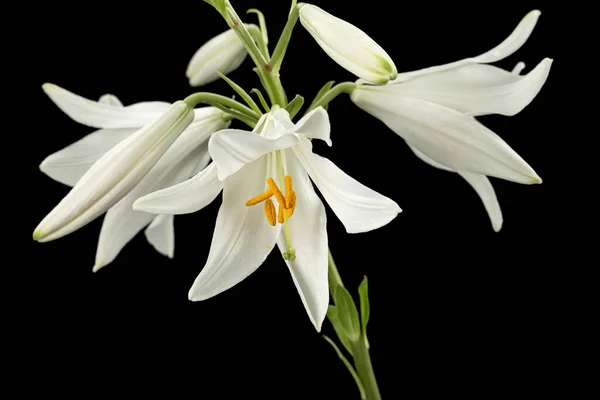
(365, 307)
(261, 99)
(238, 89)
(332, 315)
(347, 313)
(361, 389)
(321, 93)
(294, 106)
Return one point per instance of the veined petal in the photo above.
(475, 89)
(114, 174)
(224, 53)
(161, 234)
(486, 193)
(242, 239)
(511, 44)
(315, 125)
(359, 208)
(480, 183)
(447, 136)
(308, 232)
(122, 222)
(232, 149)
(103, 114)
(348, 46)
(68, 165)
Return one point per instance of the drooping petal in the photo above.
(348, 46)
(242, 239)
(114, 174)
(232, 149)
(315, 125)
(511, 44)
(223, 53)
(359, 208)
(447, 136)
(102, 114)
(308, 233)
(486, 193)
(122, 222)
(187, 197)
(68, 165)
(480, 183)
(161, 234)
(474, 89)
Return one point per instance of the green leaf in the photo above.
(347, 313)
(261, 99)
(320, 94)
(332, 315)
(361, 389)
(243, 94)
(365, 307)
(294, 106)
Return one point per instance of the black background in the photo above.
(456, 308)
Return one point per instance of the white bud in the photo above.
(115, 174)
(348, 46)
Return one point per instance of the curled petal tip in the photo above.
(37, 234)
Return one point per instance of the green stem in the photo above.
(345, 87)
(219, 101)
(284, 40)
(360, 351)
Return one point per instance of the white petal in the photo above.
(115, 174)
(68, 165)
(315, 125)
(359, 208)
(110, 100)
(231, 149)
(347, 45)
(511, 44)
(224, 53)
(475, 89)
(161, 234)
(447, 136)
(187, 197)
(518, 68)
(101, 114)
(480, 183)
(308, 232)
(486, 193)
(242, 239)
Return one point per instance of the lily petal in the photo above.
(242, 239)
(448, 136)
(315, 125)
(308, 232)
(110, 100)
(103, 114)
(232, 149)
(476, 89)
(486, 193)
(68, 165)
(480, 183)
(184, 198)
(511, 44)
(161, 234)
(359, 208)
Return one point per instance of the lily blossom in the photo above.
(268, 199)
(433, 110)
(73, 165)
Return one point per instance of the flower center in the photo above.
(287, 203)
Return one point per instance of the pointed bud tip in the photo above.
(97, 266)
(37, 234)
(48, 85)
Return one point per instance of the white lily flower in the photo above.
(184, 158)
(433, 110)
(223, 53)
(348, 46)
(101, 180)
(277, 163)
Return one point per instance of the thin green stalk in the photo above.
(261, 99)
(284, 40)
(243, 94)
(345, 87)
(217, 100)
(264, 39)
